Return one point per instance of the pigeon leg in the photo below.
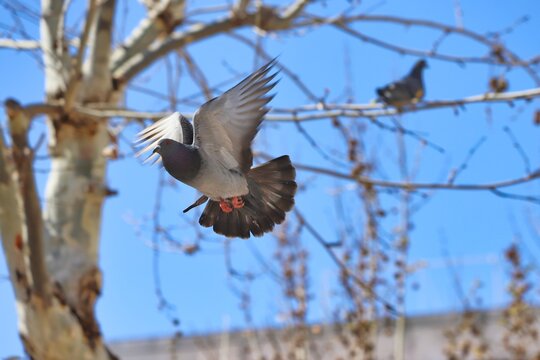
(225, 206)
(199, 201)
(237, 202)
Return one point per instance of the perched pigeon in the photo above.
(216, 158)
(408, 90)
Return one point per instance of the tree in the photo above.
(52, 250)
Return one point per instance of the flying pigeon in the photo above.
(408, 90)
(214, 156)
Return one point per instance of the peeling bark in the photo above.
(33, 229)
(49, 326)
(73, 199)
(52, 253)
(11, 226)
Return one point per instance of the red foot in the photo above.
(237, 202)
(225, 206)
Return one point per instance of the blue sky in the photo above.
(474, 227)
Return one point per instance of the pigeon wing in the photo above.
(174, 126)
(226, 125)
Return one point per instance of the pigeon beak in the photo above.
(156, 150)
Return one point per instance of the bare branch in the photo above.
(96, 71)
(11, 226)
(313, 111)
(162, 19)
(328, 247)
(75, 78)
(23, 158)
(292, 75)
(499, 54)
(465, 163)
(123, 71)
(268, 20)
(196, 74)
(380, 110)
(240, 7)
(19, 44)
(409, 186)
(55, 58)
(519, 149)
(294, 9)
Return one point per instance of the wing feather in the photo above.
(174, 126)
(231, 121)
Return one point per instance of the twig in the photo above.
(465, 162)
(316, 146)
(519, 149)
(408, 186)
(197, 74)
(338, 262)
(163, 303)
(290, 74)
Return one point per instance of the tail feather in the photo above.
(271, 195)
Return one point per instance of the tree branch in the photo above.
(161, 19)
(196, 74)
(498, 53)
(294, 9)
(124, 71)
(19, 44)
(11, 226)
(407, 186)
(96, 70)
(267, 19)
(325, 111)
(55, 58)
(240, 7)
(294, 78)
(34, 229)
(309, 112)
(328, 247)
(76, 75)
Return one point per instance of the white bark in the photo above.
(52, 257)
(97, 76)
(49, 327)
(75, 188)
(161, 20)
(52, 253)
(55, 57)
(20, 44)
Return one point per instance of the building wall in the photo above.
(424, 339)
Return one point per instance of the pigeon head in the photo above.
(418, 67)
(181, 161)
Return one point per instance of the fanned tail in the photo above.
(272, 188)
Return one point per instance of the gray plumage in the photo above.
(408, 90)
(215, 157)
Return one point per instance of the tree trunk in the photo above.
(55, 321)
(52, 254)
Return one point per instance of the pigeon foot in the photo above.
(225, 206)
(237, 202)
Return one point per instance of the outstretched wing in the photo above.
(174, 126)
(225, 126)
